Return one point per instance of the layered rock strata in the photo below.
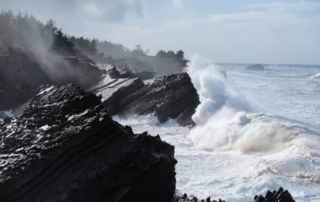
(65, 147)
(172, 96)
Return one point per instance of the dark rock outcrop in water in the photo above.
(172, 96)
(65, 147)
(257, 67)
(275, 196)
(185, 198)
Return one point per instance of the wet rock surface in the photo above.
(65, 147)
(185, 198)
(119, 71)
(172, 96)
(275, 196)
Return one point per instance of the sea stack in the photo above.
(257, 67)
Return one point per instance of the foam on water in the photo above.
(316, 76)
(8, 113)
(247, 139)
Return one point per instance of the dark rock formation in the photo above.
(185, 198)
(255, 67)
(275, 196)
(118, 71)
(172, 96)
(143, 74)
(65, 147)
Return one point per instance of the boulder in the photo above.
(65, 147)
(255, 67)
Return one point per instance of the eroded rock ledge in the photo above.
(65, 147)
(172, 96)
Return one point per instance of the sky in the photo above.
(228, 31)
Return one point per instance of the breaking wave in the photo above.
(316, 76)
(226, 120)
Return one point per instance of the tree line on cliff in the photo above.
(23, 35)
(23, 32)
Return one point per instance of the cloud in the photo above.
(114, 10)
(177, 3)
(256, 36)
(299, 6)
(92, 10)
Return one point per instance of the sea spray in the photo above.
(316, 76)
(251, 150)
(226, 120)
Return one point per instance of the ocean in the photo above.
(256, 131)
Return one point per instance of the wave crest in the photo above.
(316, 76)
(226, 120)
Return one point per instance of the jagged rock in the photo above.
(65, 147)
(118, 71)
(255, 67)
(143, 74)
(275, 196)
(185, 198)
(172, 96)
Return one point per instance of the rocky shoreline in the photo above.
(276, 196)
(64, 145)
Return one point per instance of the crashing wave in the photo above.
(316, 76)
(226, 120)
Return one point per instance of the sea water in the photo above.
(256, 131)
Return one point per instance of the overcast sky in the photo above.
(227, 31)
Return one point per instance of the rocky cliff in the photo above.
(172, 96)
(65, 147)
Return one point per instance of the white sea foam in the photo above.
(226, 120)
(316, 76)
(7, 113)
(246, 140)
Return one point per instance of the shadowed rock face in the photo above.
(65, 147)
(172, 96)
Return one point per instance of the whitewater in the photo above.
(256, 131)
